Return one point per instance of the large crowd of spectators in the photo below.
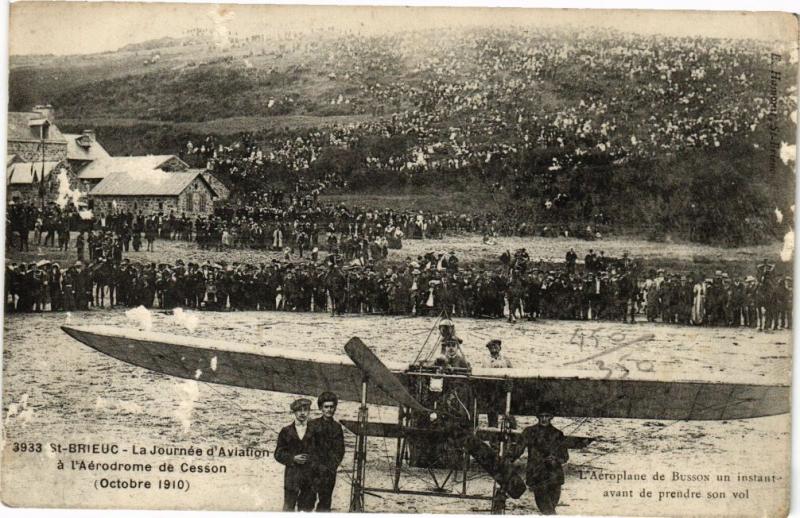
(476, 100)
(599, 288)
(50, 226)
(103, 234)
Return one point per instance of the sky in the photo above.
(64, 28)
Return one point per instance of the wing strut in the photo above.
(360, 460)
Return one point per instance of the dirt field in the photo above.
(57, 390)
(683, 257)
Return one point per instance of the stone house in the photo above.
(153, 192)
(34, 147)
(33, 137)
(95, 171)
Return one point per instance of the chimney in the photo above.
(46, 111)
(89, 133)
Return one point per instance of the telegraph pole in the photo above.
(42, 132)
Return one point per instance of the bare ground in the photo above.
(57, 391)
(686, 257)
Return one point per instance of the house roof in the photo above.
(101, 168)
(22, 173)
(22, 126)
(146, 182)
(76, 152)
(218, 185)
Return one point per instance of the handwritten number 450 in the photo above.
(581, 336)
(589, 337)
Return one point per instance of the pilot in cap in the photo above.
(547, 408)
(297, 404)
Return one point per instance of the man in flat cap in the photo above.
(496, 360)
(294, 452)
(327, 449)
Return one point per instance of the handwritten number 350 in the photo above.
(641, 366)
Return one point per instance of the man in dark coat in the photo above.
(327, 449)
(336, 284)
(547, 452)
(82, 286)
(294, 452)
(571, 259)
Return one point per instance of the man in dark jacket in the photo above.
(547, 452)
(327, 449)
(294, 452)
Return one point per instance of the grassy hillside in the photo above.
(681, 135)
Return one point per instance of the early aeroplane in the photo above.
(437, 423)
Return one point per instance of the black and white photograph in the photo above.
(383, 259)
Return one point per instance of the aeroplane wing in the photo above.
(217, 361)
(298, 372)
(577, 395)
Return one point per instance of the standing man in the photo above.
(571, 259)
(547, 452)
(79, 245)
(327, 449)
(294, 452)
(514, 293)
(496, 360)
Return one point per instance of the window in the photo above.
(190, 202)
(201, 202)
(161, 205)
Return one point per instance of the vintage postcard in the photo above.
(407, 260)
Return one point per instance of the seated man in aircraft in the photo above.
(451, 355)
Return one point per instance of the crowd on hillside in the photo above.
(474, 101)
(599, 288)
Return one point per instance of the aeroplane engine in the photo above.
(453, 402)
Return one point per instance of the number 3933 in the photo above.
(26, 447)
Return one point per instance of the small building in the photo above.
(23, 180)
(35, 149)
(94, 172)
(149, 192)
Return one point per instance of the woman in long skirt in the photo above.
(698, 302)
